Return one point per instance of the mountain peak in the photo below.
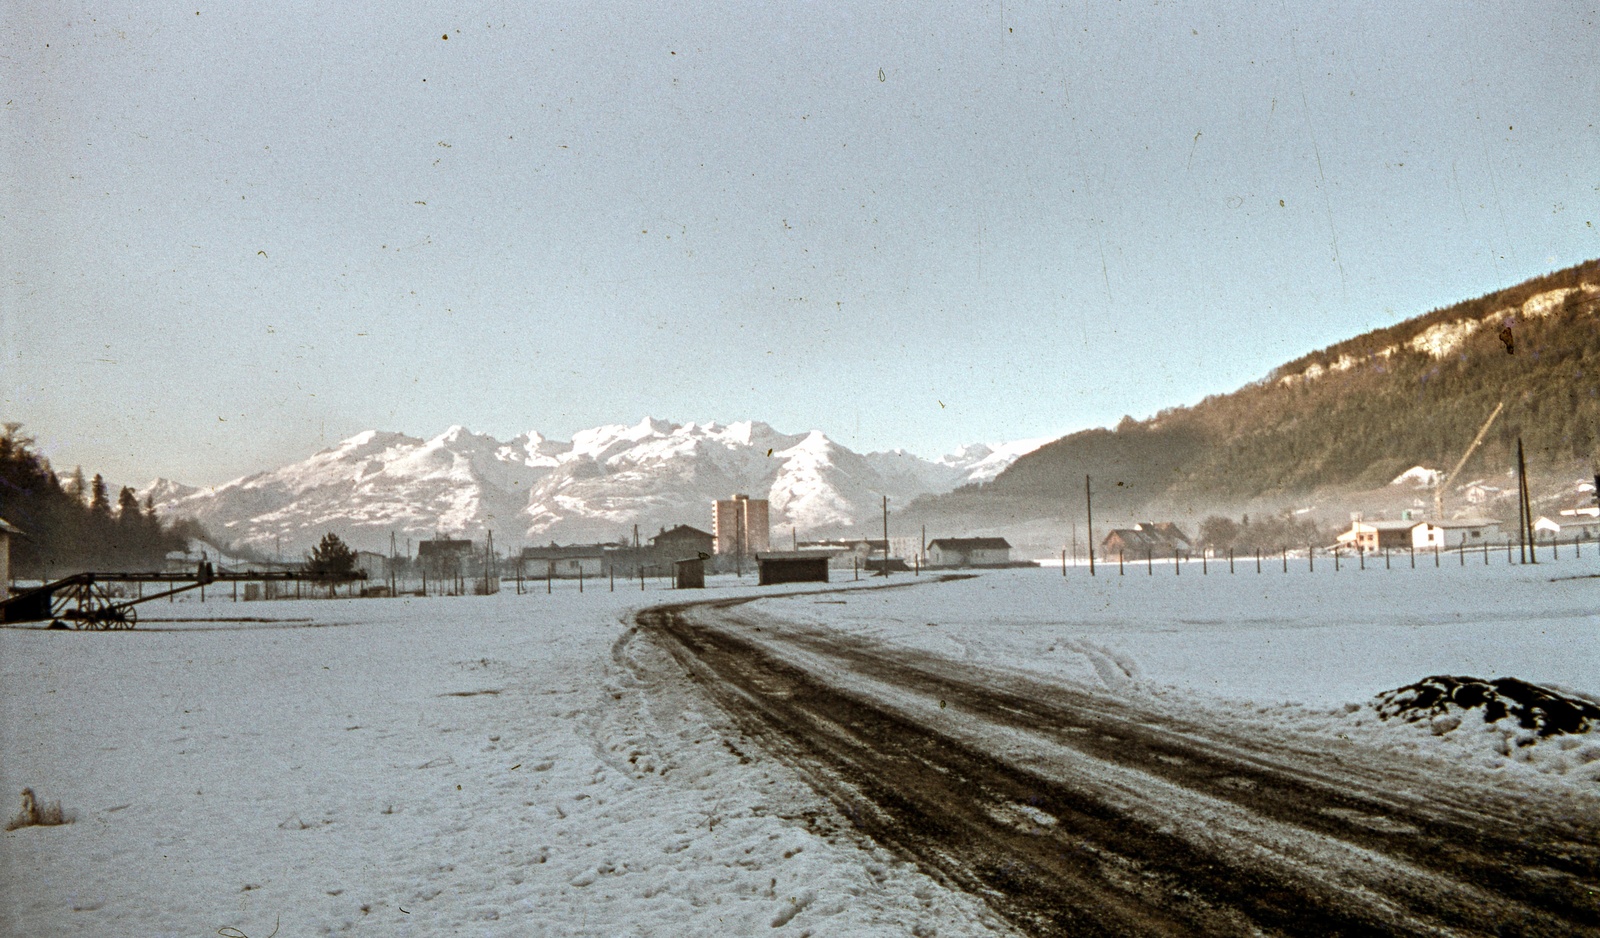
(594, 488)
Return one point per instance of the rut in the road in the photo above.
(1056, 857)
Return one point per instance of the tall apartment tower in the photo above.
(740, 525)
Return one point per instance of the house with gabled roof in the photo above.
(682, 542)
(1146, 539)
(969, 552)
(1371, 536)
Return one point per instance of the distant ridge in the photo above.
(1352, 416)
(532, 489)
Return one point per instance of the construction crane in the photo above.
(1438, 491)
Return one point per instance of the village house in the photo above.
(1445, 535)
(682, 542)
(374, 565)
(1373, 536)
(443, 560)
(1571, 527)
(847, 553)
(1146, 539)
(564, 563)
(969, 552)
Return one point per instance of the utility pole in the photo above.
(1088, 504)
(1525, 507)
(885, 536)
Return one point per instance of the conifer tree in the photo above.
(331, 555)
(128, 506)
(99, 497)
(75, 485)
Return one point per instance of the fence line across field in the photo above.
(662, 576)
(1483, 553)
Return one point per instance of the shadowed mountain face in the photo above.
(596, 487)
(1351, 417)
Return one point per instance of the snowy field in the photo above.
(496, 766)
(1301, 649)
(474, 762)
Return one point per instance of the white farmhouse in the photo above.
(1372, 536)
(1448, 534)
(968, 552)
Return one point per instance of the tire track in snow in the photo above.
(1076, 813)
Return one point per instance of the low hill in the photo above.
(1346, 419)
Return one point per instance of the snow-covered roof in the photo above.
(681, 531)
(1386, 525)
(970, 543)
(568, 552)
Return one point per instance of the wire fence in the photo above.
(1285, 559)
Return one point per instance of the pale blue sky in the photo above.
(234, 237)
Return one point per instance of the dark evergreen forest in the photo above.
(71, 525)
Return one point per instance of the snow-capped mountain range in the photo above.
(533, 489)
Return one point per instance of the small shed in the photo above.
(792, 566)
(689, 574)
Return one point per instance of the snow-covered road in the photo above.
(1077, 812)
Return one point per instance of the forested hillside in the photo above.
(1353, 415)
(70, 524)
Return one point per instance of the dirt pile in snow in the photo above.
(1443, 701)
